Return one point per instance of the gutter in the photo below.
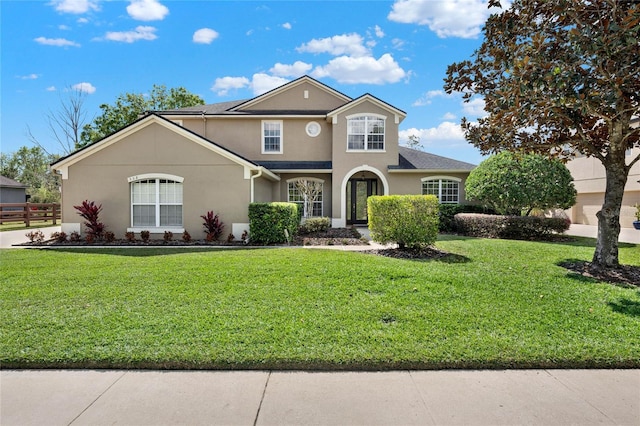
(253, 178)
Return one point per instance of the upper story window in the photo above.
(156, 201)
(365, 133)
(272, 137)
(446, 188)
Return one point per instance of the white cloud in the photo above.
(140, 33)
(224, 84)
(262, 83)
(286, 26)
(147, 10)
(259, 83)
(82, 20)
(64, 27)
(28, 77)
(346, 44)
(84, 87)
(379, 32)
(362, 70)
(448, 116)
(297, 69)
(426, 99)
(450, 18)
(51, 89)
(205, 36)
(446, 131)
(74, 6)
(474, 107)
(60, 42)
(397, 43)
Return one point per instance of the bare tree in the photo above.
(310, 190)
(66, 122)
(414, 142)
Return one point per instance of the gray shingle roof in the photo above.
(412, 159)
(5, 181)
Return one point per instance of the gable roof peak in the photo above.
(287, 86)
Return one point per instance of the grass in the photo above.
(496, 304)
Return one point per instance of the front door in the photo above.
(358, 190)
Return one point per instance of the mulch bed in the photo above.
(330, 237)
(623, 275)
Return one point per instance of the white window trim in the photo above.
(380, 116)
(440, 179)
(154, 229)
(280, 122)
(293, 180)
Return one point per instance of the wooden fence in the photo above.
(28, 212)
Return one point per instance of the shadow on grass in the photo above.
(148, 251)
(429, 254)
(627, 276)
(626, 306)
(567, 240)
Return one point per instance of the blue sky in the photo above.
(225, 50)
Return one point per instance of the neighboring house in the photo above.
(12, 191)
(168, 168)
(589, 178)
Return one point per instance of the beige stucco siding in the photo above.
(211, 181)
(294, 99)
(590, 182)
(346, 162)
(244, 136)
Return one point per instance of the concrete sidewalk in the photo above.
(533, 397)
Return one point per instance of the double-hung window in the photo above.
(156, 202)
(365, 133)
(446, 188)
(272, 137)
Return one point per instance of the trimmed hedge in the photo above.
(447, 212)
(408, 220)
(268, 221)
(509, 227)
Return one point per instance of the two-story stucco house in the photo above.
(589, 178)
(163, 171)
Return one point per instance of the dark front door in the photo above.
(358, 190)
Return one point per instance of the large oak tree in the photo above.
(560, 78)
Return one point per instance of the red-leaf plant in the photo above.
(213, 226)
(89, 211)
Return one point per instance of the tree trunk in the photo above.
(606, 254)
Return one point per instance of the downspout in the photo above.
(253, 178)
(204, 125)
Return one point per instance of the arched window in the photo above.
(365, 133)
(308, 194)
(156, 201)
(446, 188)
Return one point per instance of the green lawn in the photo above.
(495, 304)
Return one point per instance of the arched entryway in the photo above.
(358, 185)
